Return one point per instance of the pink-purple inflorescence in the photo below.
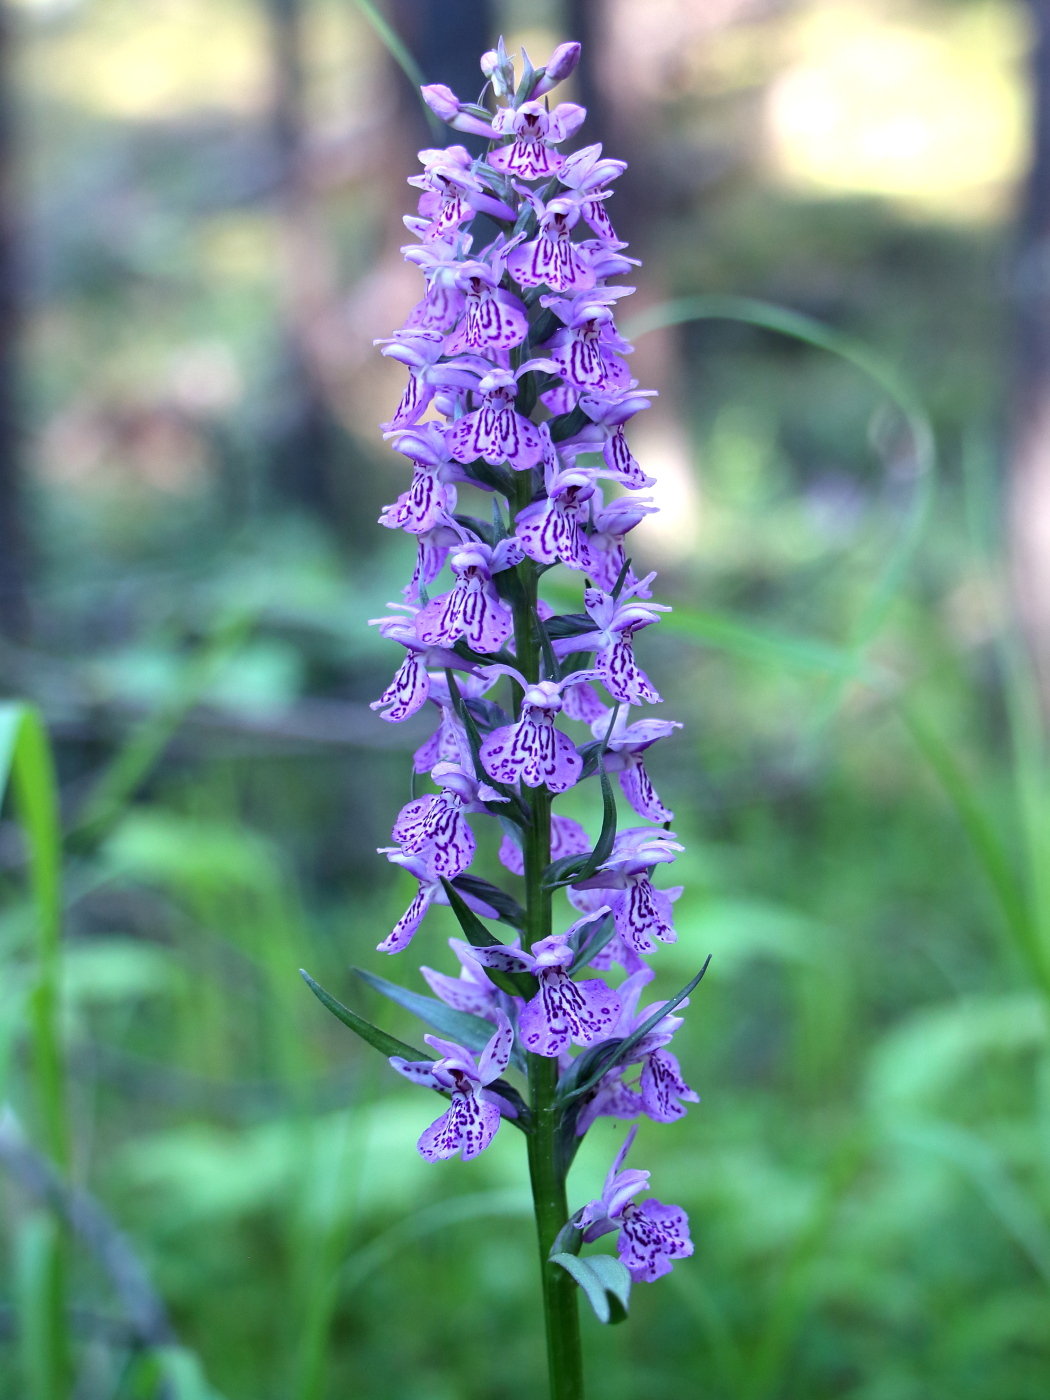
(516, 370)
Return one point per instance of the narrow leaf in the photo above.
(507, 908)
(459, 1026)
(622, 1050)
(516, 984)
(570, 869)
(386, 1044)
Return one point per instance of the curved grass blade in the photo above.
(391, 41)
(883, 373)
(569, 869)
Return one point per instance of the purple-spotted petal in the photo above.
(563, 1010)
(662, 1086)
(651, 1237)
(467, 1127)
(406, 693)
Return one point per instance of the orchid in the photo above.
(616, 620)
(641, 911)
(471, 1122)
(517, 381)
(651, 1235)
(472, 609)
(533, 751)
(626, 743)
(562, 1010)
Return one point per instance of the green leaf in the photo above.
(26, 764)
(386, 1044)
(605, 1282)
(508, 910)
(601, 934)
(393, 44)
(460, 1026)
(516, 984)
(569, 869)
(570, 1088)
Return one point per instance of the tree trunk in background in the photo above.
(14, 616)
(446, 38)
(1029, 482)
(304, 433)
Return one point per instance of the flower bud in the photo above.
(562, 65)
(444, 103)
(499, 70)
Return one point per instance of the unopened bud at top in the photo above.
(498, 67)
(562, 65)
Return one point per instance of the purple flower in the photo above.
(661, 1085)
(561, 65)
(495, 318)
(642, 912)
(535, 130)
(410, 688)
(580, 702)
(608, 412)
(549, 530)
(421, 351)
(588, 347)
(444, 103)
(651, 1236)
(431, 498)
(609, 526)
(440, 260)
(552, 259)
(452, 192)
(587, 173)
(616, 952)
(532, 751)
(625, 745)
(431, 891)
(473, 608)
(568, 838)
(472, 991)
(562, 1010)
(471, 1121)
(496, 431)
(434, 826)
(616, 621)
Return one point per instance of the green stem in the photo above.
(561, 1315)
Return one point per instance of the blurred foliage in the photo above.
(867, 1172)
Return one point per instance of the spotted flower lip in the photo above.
(651, 1235)
(616, 621)
(496, 432)
(471, 1122)
(531, 154)
(410, 688)
(431, 891)
(562, 1010)
(587, 172)
(533, 751)
(625, 744)
(552, 259)
(473, 609)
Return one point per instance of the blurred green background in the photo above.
(206, 209)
